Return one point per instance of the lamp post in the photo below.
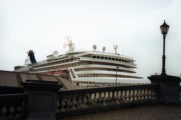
(116, 74)
(164, 30)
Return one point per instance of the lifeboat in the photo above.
(57, 72)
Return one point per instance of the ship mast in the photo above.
(69, 43)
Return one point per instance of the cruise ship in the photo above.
(85, 67)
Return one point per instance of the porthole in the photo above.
(105, 58)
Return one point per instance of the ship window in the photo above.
(102, 57)
(98, 57)
(119, 59)
(94, 56)
(105, 57)
(93, 76)
(113, 58)
(87, 76)
(84, 76)
(109, 58)
(123, 60)
(116, 59)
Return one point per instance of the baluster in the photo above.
(144, 96)
(141, 95)
(134, 96)
(57, 110)
(147, 94)
(74, 102)
(108, 99)
(137, 95)
(113, 98)
(121, 96)
(130, 96)
(117, 97)
(79, 102)
(19, 111)
(11, 112)
(104, 100)
(99, 99)
(125, 96)
(3, 112)
(95, 100)
(68, 104)
(155, 95)
(152, 94)
(62, 104)
(90, 100)
(85, 101)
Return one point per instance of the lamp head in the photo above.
(164, 28)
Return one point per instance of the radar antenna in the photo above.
(94, 47)
(103, 48)
(69, 43)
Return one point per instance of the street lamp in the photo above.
(116, 74)
(164, 30)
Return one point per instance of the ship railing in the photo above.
(99, 52)
(80, 101)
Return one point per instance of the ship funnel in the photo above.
(94, 47)
(103, 48)
(31, 58)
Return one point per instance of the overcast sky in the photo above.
(133, 25)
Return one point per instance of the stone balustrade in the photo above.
(12, 105)
(73, 102)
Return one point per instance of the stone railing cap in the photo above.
(41, 84)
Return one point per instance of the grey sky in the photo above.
(133, 25)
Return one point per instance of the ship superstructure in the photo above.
(87, 67)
